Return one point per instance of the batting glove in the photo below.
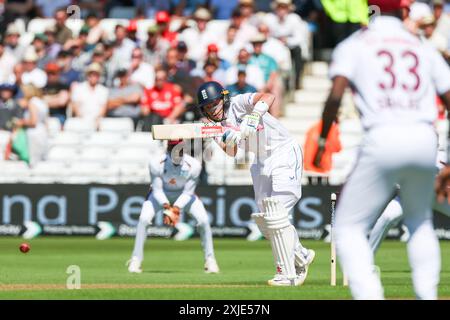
(249, 124)
(231, 137)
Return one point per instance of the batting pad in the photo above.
(300, 260)
(282, 235)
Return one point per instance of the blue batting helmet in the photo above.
(211, 92)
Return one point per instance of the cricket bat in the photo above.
(186, 131)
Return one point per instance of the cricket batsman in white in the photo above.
(276, 171)
(395, 77)
(174, 178)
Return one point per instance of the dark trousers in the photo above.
(297, 64)
(340, 31)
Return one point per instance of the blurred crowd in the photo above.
(151, 76)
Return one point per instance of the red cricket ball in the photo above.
(24, 247)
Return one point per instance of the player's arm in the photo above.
(172, 216)
(259, 105)
(157, 186)
(262, 102)
(330, 113)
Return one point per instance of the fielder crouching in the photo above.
(276, 171)
(174, 179)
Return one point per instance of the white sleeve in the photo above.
(343, 61)
(157, 185)
(189, 188)
(244, 102)
(440, 72)
(299, 34)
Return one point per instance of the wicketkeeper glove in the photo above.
(249, 124)
(171, 215)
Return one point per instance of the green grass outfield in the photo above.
(174, 270)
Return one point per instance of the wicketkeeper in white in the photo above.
(276, 171)
(174, 178)
(395, 77)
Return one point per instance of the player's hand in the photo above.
(231, 137)
(171, 216)
(442, 185)
(249, 124)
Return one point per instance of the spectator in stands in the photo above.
(68, 74)
(269, 67)
(184, 63)
(32, 74)
(155, 48)
(241, 86)
(174, 74)
(111, 63)
(163, 21)
(212, 52)
(198, 37)
(132, 32)
(244, 31)
(98, 54)
(56, 93)
(247, 8)
(95, 30)
(437, 40)
(276, 49)
(47, 8)
(333, 145)
(12, 44)
(83, 36)
(89, 98)
(7, 62)
(39, 44)
(9, 108)
(255, 76)
(222, 9)
(211, 71)
(35, 121)
(183, 79)
(124, 100)
(63, 33)
(80, 56)
(16, 79)
(123, 45)
(229, 47)
(442, 22)
(290, 29)
(161, 104)
(52, 46)
(142, 72)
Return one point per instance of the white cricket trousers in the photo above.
(194, 207)
(390, 155)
